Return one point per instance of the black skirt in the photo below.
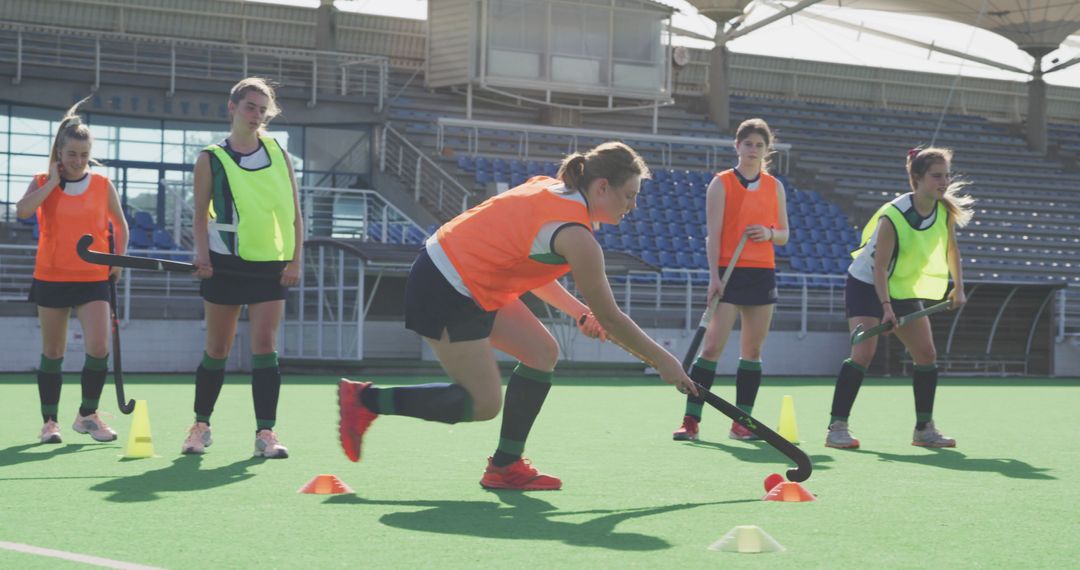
(260, 282)
(67, 294)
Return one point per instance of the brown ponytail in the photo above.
(71, 127)
(613, 161)
(919, 161)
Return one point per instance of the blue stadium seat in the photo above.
(140, 239)
(821, 249)
(163, 240)
(659, 229)
(650, 257)
(144, 220)
(667, 259)
(641, 227)
(674, 277)
(466, 162)
(627, 242)
(684, 260)
(797, 264)
(610, 240)
(699, 260)
(661, 243)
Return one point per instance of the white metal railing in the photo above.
(327, 211)
(181, 60)
(712, 147)
(325, 312)
(430, 184)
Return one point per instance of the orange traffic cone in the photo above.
(325, 485)
(789, 492)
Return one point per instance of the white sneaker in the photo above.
(93, 425)
(50, 432)
(931, 437)
(840, 437)
(198, 439)
(267, 445)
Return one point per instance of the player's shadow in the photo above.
(182, 475)
(947, 458)
(17, 454)
(519, 516)
(760, 452)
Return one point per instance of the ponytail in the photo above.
(959, 206)
(71, 127)
(613, 161)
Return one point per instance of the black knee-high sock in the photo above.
(209, 377)
(703, 372)
(747, 382)
(525, 395)
(93, 382)
(925, 387)
(446, 403)
(847, 388)
(49, 380)
(265, 388)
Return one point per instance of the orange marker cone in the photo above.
(325, 485)
(789, 492)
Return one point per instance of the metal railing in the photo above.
(715, 150)
(328, 212)
(432, 186)
(181, 60)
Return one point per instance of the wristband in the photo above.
(886, 302)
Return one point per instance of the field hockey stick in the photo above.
(858, 335)
(151, 263)
(706, 316)
(118, 371)
(803, 466)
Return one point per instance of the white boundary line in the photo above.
(85, 559)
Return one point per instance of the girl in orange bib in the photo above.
(745, 200)
(463, 297)
(70, 201)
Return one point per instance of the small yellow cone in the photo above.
(140, 443)
(789, 429)
(747, 539)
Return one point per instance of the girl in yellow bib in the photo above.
(744, 200)
(463, 297)
(908, 253)
(247, 220)
(70, 200)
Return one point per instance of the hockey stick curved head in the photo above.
(856, 333)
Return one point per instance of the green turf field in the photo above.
(632, 498)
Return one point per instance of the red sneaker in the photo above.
(739, 431)
(519, 475)
(354, 418)
(688, 431)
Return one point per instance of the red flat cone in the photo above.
(789, 492)
(325, 485)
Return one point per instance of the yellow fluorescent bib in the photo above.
(265, 209)
(921, 265)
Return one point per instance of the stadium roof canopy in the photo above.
(1033, 25)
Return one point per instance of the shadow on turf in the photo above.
(759, 452)
(183, 475)
(17, 454)
(527, 518)
(952, 459)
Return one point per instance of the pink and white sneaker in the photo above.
(198, 439)
(94, 426)
(50, 432)
(268, 446)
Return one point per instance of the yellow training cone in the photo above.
(788, 429)
(140, 443)
(747, 539)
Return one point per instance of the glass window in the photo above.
(30, 144)
(517, 25)
(639, 36)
